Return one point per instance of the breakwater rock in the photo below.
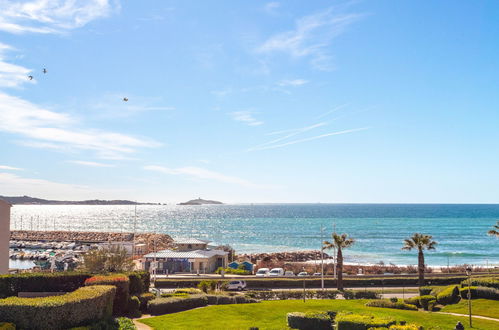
(159, 241)
(294, 256)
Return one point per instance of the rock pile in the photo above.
(295, 256)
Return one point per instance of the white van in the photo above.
(276, 272)
(262, 272)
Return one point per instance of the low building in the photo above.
(4, 236)
(191, 256)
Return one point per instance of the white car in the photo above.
(262, 272)
(289, 273)
(301, 274)
(236, 285)
(276, 272)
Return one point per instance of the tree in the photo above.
(339, 242)
(109, 259)
(495, 230)
(420, 242)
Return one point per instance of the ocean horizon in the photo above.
(379, 229)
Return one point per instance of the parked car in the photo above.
(236, 285)
(289, 273)
(301, 274)
(276, 272)
(262, 272)
(317, 274)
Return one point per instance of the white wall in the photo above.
(4, 236)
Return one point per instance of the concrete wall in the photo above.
(4, 236)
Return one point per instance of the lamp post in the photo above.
(468, 272)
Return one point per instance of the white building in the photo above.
(4, 236)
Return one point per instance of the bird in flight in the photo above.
(125, 99)
(30, 77)
(44, 70)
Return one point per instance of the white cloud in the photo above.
(245, 117)
(89, 163)
(51, 16)
(271, 6)
(275, 146)
(201, 173)
(10, 168)
(293, 82)
(57, 130)
(311, 37)
(11, 75)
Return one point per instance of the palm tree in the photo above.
(420, 242)
(339, 242)
(495, 231)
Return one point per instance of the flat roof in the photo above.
(197, 254)
(190, 241)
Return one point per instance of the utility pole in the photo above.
(334, 251)
(322, 257)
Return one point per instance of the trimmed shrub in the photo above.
(76, 308)
(139, 282)
(11, 285)
(122, 284)
(362, 322)
(425, 300)
(309, 321)
(7, 326)
(189, 291)
(406, 327)
(161, 306)
(133, 308)
(449, 295)
(292, 294)
(413, 301)
(125, 323)
(233, 271)
(480, 292)
(491, 282)
(361, 294)
(389, 304)
(144, 299)
(425, 290)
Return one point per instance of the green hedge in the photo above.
(427, 302)
(225, 300)
(144, 299)
(7, 326)
(389, 304)
(406, 327)
(361, 294)
(262, 283)
(413, 301)
(480, 292)
(161, 306)
(311, 321)
(292, 294)
(140, 281)
(449, 295)
(491, 282)
(133, 307)
(122, 284)
(425, 290)
(11, 285)
(80, 307)
(347, 321)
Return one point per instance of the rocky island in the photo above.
(199, 201)
(27, 200)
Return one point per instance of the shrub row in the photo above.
(122, 284)
(427, 302)
(389, 304)
(11, 285)
(80, 307)
(161, 306)
(311, 321)
(144, 299)
(262, 283)
(361, 294)
(292, 294)
(347, 321)
(140, 281)
(413, 301)
(229, 270)
(449, 295)
(480, 292)
(491, 282)
(226, 300)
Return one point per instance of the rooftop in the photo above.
(197, 254)
(191, 241)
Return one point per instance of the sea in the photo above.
(378, 229)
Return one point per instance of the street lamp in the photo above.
(468, 272)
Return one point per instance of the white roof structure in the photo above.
(197, 254)
(191, 241)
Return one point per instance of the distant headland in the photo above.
(27, 200)
(199, 201)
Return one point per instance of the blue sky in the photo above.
(250, 101)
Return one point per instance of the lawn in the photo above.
(272, 315)
(483, 307)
